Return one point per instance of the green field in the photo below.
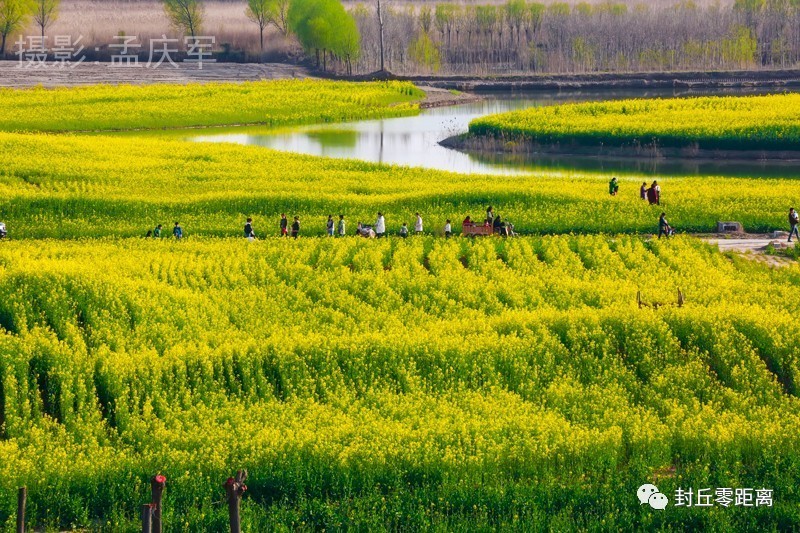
(763, 123)
(379, 384)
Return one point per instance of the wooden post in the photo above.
(22, 497)
(157, 484)
(234, 488)
(147, 518)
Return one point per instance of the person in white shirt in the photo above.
(418, 225)
(448, 230)
(380, 226)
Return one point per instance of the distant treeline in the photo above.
(515, 37)
(520, 36)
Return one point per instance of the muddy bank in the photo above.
(16, 76)
(644, 80)
(438, 97)
(485, 145)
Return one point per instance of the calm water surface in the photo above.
(413, 141)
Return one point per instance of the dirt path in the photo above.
(12, 75)
(752, 247)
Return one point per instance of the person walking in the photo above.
(418, 225)
(404, 230)
(296, 227)
(652, 195)
(329, 225)
(613, 186)
(643, 191)
(663, 226)
(177, 231)
(380, 226)
(794, 218)
(284, 225)
(249, 234)
(157, 232)
(448, 230)
(340, 228)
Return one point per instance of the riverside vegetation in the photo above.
(394, 384)
(765, 123)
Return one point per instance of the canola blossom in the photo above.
(715, 122)
(271, 103)
(394, 384)
(70, 186)
(418, 384)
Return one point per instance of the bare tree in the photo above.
(258, 12)
(45, 13)
(278, 15)
(379, 8)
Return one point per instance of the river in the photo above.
(414, 141)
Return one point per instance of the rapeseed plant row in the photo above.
(75, 186)
(713, 122)
(418, 383)
(271, 103)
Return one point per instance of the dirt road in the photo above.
(752, 247)
(13, 75)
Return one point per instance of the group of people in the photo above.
(378, 230)
(177, 231)
(498, 225)
(338, 228)
(653, 196)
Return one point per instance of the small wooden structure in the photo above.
(473, 230)
(656, 305)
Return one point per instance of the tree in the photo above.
(379, 9)
(45, 13)
(266, 12)
(258, 12)
(347, 41)
(279, 13)
(184, 15)
(425, 18)
(324, 26)
(425, 53)
(14, 15)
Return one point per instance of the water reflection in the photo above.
(413, 141)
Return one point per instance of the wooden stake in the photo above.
(157, 484)
(22, 497)
(147, 518)
(234, 488)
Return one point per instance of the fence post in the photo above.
(147, 518)
(22, 497)
(234, 488)
(157, 484)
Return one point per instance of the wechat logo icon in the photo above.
(649, 494)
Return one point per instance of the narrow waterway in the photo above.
(414, 141)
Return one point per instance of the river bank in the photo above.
(16, 74)
(612, 81)
(487, 145)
